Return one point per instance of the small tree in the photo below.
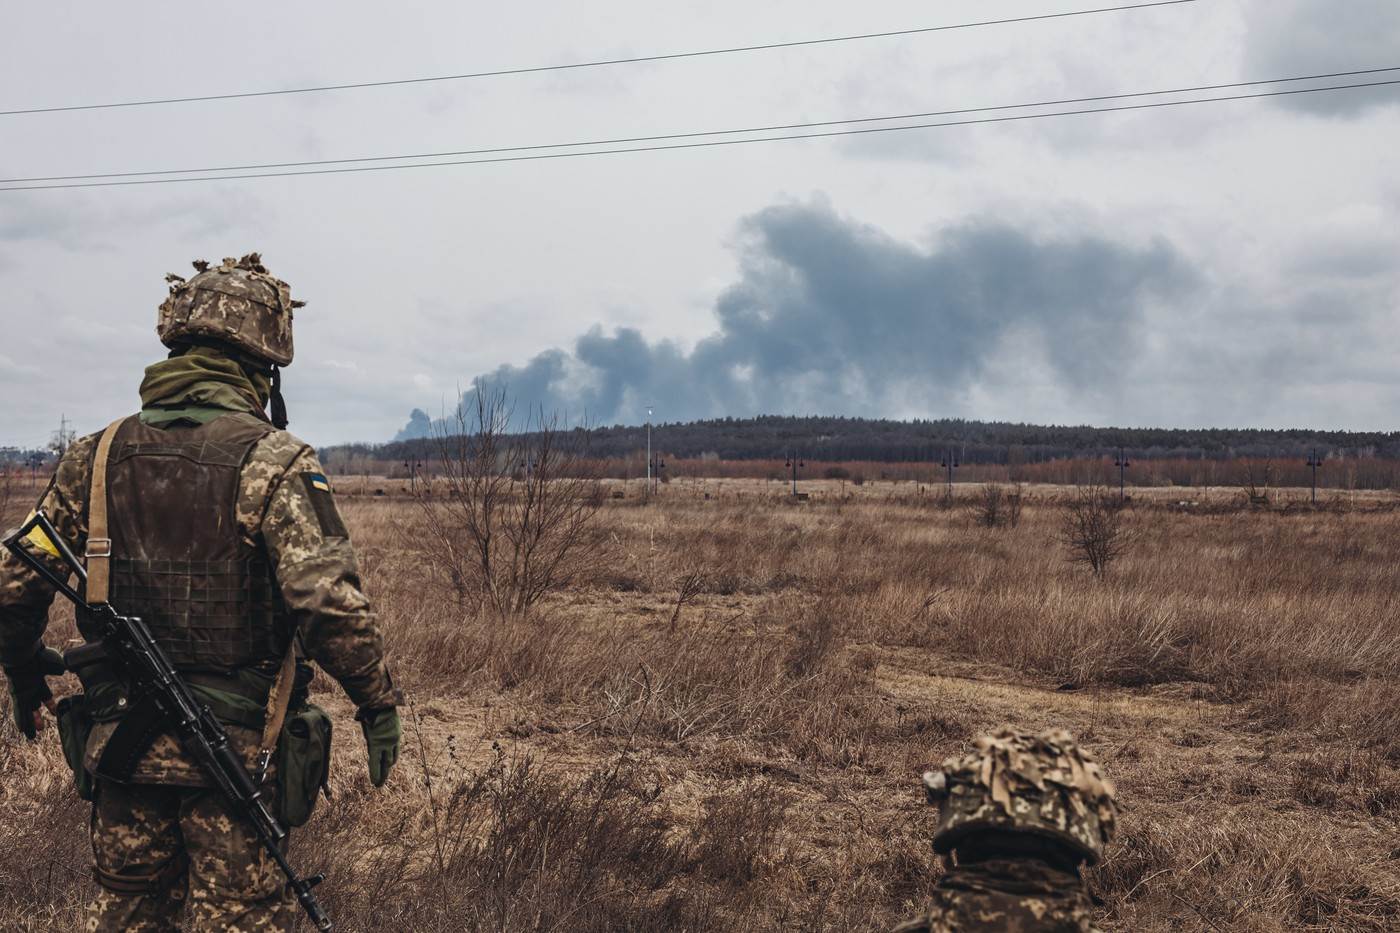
(991, 506)
(1014, 500)
(508, 515)
(1093, 528)
(999, 505)
(1255, 484)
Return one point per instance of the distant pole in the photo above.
(656, 465)
(648, 451)
(413, 466)
(794, 463)
(949, 464)
(1122, 464)
(1314, 462)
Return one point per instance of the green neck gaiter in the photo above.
(200, 385)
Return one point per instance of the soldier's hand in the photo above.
(29, 691)
(382, 734)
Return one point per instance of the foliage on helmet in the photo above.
(1042, 784)
(238, 303)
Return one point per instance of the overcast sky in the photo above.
(1233, 264)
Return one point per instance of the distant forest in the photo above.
(831, 439)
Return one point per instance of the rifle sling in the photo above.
(99, 542)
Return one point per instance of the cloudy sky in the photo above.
(1234, 264)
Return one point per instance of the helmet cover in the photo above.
(237, 303)
(1042, 784)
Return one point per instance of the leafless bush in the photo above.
(989, 507)
(741, 834)
(997, 506)
(1256, 482)
(508, 517)
(690, 586)
(1015, 498)
(1093, 528)
(511, 847)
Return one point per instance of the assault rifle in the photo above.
(126, 641)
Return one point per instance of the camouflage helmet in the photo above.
(236, 303)
(1043, 784)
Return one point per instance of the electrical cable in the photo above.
(714, 143)
(692, 135)
(671, 56)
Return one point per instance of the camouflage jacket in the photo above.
(316, 573)
(1006, 896)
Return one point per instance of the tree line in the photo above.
(845, 439)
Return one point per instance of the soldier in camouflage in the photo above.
(1018, 818)
(224, 537)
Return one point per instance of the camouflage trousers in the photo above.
(167, 855)
(1007, 896)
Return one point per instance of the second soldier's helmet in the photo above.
(1045, 785)
(236, 303)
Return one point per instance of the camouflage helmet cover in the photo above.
(237, 302)
(1041, 784)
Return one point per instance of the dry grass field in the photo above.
(720, 726)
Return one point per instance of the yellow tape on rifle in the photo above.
(40, 540)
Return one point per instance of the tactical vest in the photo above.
(179, 558)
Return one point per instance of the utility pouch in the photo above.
(303, 763)
(107, 695)
(74, 727)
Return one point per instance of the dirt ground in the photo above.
(747, 757)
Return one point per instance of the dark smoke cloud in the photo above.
(835, 317)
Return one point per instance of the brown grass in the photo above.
(752, 761)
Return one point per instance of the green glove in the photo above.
(382, 733)
(28, 689)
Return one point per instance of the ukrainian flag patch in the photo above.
(318, 491)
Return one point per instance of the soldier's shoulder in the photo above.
(75, 465)
(80, 450)
(275, 455)
(278, 449)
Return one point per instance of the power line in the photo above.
(713, 143)
(692, 135)
(670, 56)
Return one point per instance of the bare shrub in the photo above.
(513, 848)
(508, 517)
(45, 874)
(990, 509)
(740, 836)
(998, 506)
(689, 586)
(1015, 499)
(1093, 528)
(1256, 482)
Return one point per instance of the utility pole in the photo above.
(1314, 462)
(655, 465)
(1122, 464)
(950, 463)
(794, 463)
(413, 466)
(648, 452)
